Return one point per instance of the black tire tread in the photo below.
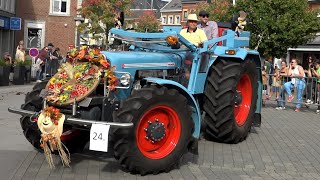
(219, 100)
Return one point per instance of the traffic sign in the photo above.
(33, 52)
(15, 23)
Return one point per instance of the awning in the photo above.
(305, 49)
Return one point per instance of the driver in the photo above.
(193, 34)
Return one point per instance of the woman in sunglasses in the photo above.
(297, 75)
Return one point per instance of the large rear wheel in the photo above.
(230, 100)
(161, 133)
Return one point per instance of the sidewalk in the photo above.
(16, 87)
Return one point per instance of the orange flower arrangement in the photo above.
(53, 113)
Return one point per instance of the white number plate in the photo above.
(99, 137)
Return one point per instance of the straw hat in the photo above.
(192, 17)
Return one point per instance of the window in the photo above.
(185, 14)
(34, 34)
(60, 7)
(164, 20)
(170, 20)
(177, 19)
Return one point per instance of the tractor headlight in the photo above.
(125, 79)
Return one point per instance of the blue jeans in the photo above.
(287, 88)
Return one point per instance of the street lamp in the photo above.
(79, 19)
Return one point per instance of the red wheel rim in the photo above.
(242, 109)
(171, 122)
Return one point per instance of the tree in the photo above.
(148, 22)
(219, 10)
(100, 15)
(280, 24)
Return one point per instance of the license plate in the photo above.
(99, 134)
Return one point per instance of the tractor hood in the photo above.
(130, 61)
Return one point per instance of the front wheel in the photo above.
(161, 133)
(230, 100)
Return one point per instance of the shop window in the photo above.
(34, 35)
(60, 7)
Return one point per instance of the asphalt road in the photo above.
(287, 146)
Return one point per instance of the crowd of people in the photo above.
(283, 81)
(47, 62)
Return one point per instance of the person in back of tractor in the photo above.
(297, 81)
(209, 27)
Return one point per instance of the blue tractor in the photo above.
(168, 92)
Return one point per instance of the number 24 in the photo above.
(97, 136)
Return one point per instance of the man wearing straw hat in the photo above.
(193, 34)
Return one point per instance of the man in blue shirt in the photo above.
(209, 27)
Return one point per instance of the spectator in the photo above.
(56, 59)
(7, 58)
(269, 71)
(40, 63)
(316, 71)
(209, 27)
(49, 64)
(20, 52)
(311, 82)
(297, 75)
(276, 84)
(264, 85)
(56, 53)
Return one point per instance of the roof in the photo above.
(173, 5)
(136, 13)
(146, 4)
(191, 1)
(315, 41)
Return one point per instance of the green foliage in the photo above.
(219, 10)
(148, 22)
(281, 24)
(101, 15)
(22, 63)
(3, 62)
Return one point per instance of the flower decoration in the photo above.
(79, 76)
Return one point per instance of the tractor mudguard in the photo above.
(196, 115)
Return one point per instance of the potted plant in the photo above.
(28, 64)
(4, 73)
(19, 73)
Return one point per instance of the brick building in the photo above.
(47, 21)
(7, 10)
(189, 6)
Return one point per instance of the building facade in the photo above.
(49, 21)
(7, 10)
(171, 13)
(188, 7)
